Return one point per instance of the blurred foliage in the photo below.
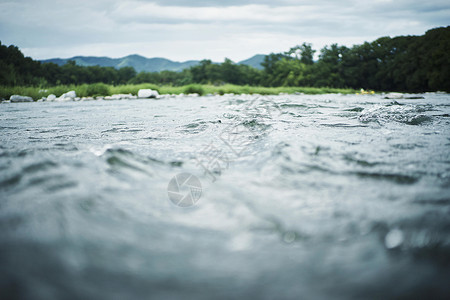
(404, 63)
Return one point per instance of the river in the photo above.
(226, 197)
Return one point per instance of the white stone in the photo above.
(18, 98)
(119, 97)
(147, 93)
(394, 96)
(51, 97)
(69, 96)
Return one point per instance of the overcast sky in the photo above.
(197, 29)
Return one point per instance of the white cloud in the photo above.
(151, 12)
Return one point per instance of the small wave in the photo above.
(39, 166)
(236, 102)
(33, 168)
(119, 158)
(406, 114)
(116, 130)
(41, 173)
(195, 127)
(397, 178)
(61, 184)
(417, 120)
(407, 146)
(66, 146)
(343, 125)
(192, 125)
(355, 109)
(289, 105)
(434, 202)
(361, 162)
(254, 124)
(10, 181)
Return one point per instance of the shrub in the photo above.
(97, 89)
(60, 89)
(194, 88)
(7, 91)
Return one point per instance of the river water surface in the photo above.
(302, 197)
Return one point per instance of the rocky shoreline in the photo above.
(72, 96)
(153, 94)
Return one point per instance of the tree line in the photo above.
(404, 63)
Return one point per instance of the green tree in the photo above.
(125, 74)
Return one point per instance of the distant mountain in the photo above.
(254, 61)
(141, 63)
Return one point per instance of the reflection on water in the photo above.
(302, 197)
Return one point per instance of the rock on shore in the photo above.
(18, 98)
(51, 97)
(120, 97)
(147, 93)
(394, 96)
(69, 96)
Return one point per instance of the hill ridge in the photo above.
(141, 63)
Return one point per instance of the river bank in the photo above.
(104, 90)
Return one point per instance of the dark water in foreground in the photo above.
(304, 197)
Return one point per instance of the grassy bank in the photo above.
(100, 89)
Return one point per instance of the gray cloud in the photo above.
(225, 3)
(181, 29)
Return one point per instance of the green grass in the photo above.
(245, 89)
(101, 89)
